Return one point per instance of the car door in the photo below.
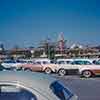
(36, 67)
(96, 69)
(8, 64)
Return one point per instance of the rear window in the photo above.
(52, 62)
(45, 62)
(38, 62)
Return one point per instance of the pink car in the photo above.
(47, 68)
(32, 66)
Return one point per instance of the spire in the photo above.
(61, 42)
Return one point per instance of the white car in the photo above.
(83, 67)
(86, 68)
(12, 64)
(65, 66)
(32, 86)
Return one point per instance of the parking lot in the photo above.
(85, 88)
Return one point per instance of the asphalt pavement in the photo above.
(85, 88)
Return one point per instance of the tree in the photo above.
(2, 46)
(51, 54)
(48, 46)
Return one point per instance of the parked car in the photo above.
(38, 66)
(2, 68)
(32, 86)
(69, 66)
(82, 67)
(65, 67)
(86, 68)
(11, 63)
(48, 66)
(32, 66)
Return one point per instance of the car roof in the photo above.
(89, 60)
(42, 59)
(64, 59)
(38, 81)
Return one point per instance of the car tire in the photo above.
(19, 69)
(86, 73)
(48, 70)
(62, 72)
(27, 70)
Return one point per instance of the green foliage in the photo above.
(51, 52)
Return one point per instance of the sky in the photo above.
(27, 22)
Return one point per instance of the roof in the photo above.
(65, 59)
(38, 81)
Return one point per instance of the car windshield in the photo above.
(96, 62)
(10, 92)
(60, 91)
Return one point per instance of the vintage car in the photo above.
(38, 66)
(12, 64)
(83, 67)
